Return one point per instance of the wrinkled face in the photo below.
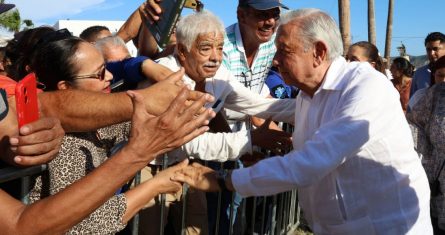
(435, 50)
(204, 57)
(261, 24)
(295, 62)
(439, 75)
(91, 74)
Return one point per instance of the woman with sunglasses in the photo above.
(75, 64)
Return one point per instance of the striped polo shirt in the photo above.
(235, 60)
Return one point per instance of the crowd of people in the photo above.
(363, 162)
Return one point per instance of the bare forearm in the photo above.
(60, 212)
(147, 43)
(130, 28)
(138, 197)
(154, 71)
(81, 111)
(259, 121)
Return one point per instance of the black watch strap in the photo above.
(221, 179)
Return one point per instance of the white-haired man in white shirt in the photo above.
(353, 161)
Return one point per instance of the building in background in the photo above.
(77, 26)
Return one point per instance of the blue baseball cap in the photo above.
(262, 4)
(5, 7)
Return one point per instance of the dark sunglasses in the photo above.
(100, 75)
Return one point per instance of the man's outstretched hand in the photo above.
(180, 123)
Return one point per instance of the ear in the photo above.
(63, 85)
(241, 15)
(182, 52)
(320, 52)
(372, 64)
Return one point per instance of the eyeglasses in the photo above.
(100, 75)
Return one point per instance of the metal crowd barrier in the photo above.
(280, 214)
(12, 173)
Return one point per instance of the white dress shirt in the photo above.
(353, 161)
(229, 94)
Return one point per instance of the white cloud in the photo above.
(44, 10)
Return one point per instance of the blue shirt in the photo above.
(421, 79)
(128, 69)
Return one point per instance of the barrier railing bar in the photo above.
(11, 173)
(164, 166)
(184, 209)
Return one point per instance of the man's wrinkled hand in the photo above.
(153, 135)
(162, 93)
(164, 178)
(276, 141)
(251, 159)
(198, 177)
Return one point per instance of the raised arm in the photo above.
(134, 28)
(149, 137)
(81, 111)
(130, 28)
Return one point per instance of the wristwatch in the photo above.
(221, 179)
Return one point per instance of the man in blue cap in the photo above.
(249, 46)
(248, 52)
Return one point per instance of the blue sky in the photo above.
(413, 20)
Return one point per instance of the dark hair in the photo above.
(435, 36)
(53, 62)
(439, 64)
(372, 53)
(90, 33)
(404, 65)
(20, 49)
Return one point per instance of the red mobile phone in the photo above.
(26, 100)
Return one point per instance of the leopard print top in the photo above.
(80, 154)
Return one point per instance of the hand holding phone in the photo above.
(26, 100)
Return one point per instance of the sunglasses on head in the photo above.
(54, 36)
(100, 75)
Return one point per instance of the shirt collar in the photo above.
(332, 80)
(238, 38)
